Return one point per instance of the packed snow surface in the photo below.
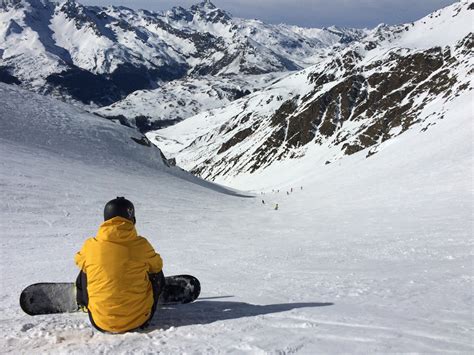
(362, 256)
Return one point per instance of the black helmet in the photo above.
(119, 207)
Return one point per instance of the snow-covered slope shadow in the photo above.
(205, 312)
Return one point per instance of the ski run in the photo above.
(373, 255)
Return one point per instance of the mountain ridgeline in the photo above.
(99, 55)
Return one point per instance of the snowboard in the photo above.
(60, 297)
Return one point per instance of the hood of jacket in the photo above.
(117, 229)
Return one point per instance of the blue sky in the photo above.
(309, 13)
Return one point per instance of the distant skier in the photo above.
(121, 275)
(276, 207)
(263, 202)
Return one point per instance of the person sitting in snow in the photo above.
(121, 275)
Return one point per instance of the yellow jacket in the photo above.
(117, 262)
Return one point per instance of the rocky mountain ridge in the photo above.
(398, 78)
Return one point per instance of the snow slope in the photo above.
(373, 255)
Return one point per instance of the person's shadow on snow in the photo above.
(205, 312)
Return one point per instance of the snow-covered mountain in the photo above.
(179, 99)
(398, 78)
(101, 54)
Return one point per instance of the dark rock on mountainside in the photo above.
(145, 124)
(351, 100)
(104, 89)
(389, 104)
(85, 86)
(7, 77)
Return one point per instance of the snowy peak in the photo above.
(204, 6)
(85, 18)
(22, 3)
(443, 27)
(204, 11)
(30, 4)
(346, 35)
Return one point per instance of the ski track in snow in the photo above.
(374, 255)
